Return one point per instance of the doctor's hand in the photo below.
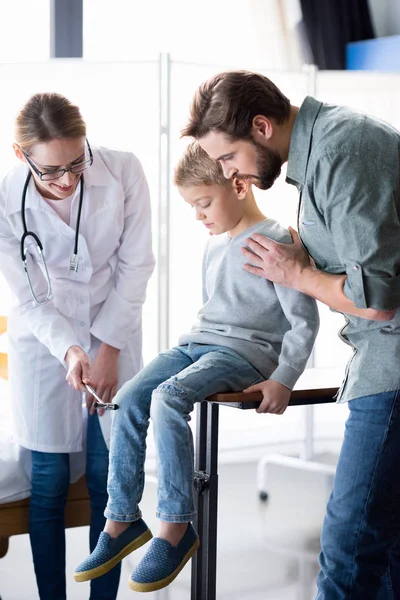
(104, 376)
(283, 264)
(78, 367)
(275, 396)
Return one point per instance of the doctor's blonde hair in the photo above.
(46, 117)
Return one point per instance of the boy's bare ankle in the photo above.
(115, 528)
(172, 532)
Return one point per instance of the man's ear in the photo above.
(18, 153)
(262, 128)
(241, 187)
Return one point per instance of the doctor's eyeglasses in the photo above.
(50, 175)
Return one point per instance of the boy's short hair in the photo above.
(195, 167)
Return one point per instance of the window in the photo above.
(24, 32)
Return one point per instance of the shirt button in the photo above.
(82, 301)
(355, 268)
(82, 323)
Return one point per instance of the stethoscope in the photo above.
(74, 263)
(73, 267)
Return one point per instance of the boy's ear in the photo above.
(241, 187)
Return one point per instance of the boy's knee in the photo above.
(158, 405)
(123, 396)
(168, 396)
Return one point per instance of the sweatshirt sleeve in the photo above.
(302, 313)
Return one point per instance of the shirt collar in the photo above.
(300, 143)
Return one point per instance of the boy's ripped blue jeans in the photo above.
(167, 389)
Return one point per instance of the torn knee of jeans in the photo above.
(195, 368)
(172, 387)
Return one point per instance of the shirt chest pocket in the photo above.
(316, 237)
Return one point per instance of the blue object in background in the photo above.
(380, 54)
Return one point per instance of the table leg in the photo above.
(204, 563)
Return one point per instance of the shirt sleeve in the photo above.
(45, 322)
(302, 313)
(357, 199)
(134, 267)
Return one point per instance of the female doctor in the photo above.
(75, 248)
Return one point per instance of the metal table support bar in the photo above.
(206, 485)
(204, 563)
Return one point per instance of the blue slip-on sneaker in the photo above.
(163, 562)
(110, 551)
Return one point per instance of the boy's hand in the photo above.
(275, 396)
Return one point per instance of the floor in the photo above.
(266, 551)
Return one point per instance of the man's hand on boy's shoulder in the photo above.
(275, 396)
(284, 264)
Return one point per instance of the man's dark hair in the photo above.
(228, 103)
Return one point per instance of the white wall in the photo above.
(234, 33)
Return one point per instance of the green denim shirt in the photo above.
(346, 167)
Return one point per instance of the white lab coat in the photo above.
(102, 302)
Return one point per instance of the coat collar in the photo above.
(11, 189)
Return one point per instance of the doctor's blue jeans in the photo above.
(360, 557)
(167, 390)
(50, 482)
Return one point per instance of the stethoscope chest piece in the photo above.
(25, 262)
(74, 262)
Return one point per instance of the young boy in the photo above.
(249, 332)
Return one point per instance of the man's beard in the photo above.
(268, 164)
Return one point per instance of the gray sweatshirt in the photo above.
(272, 327)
